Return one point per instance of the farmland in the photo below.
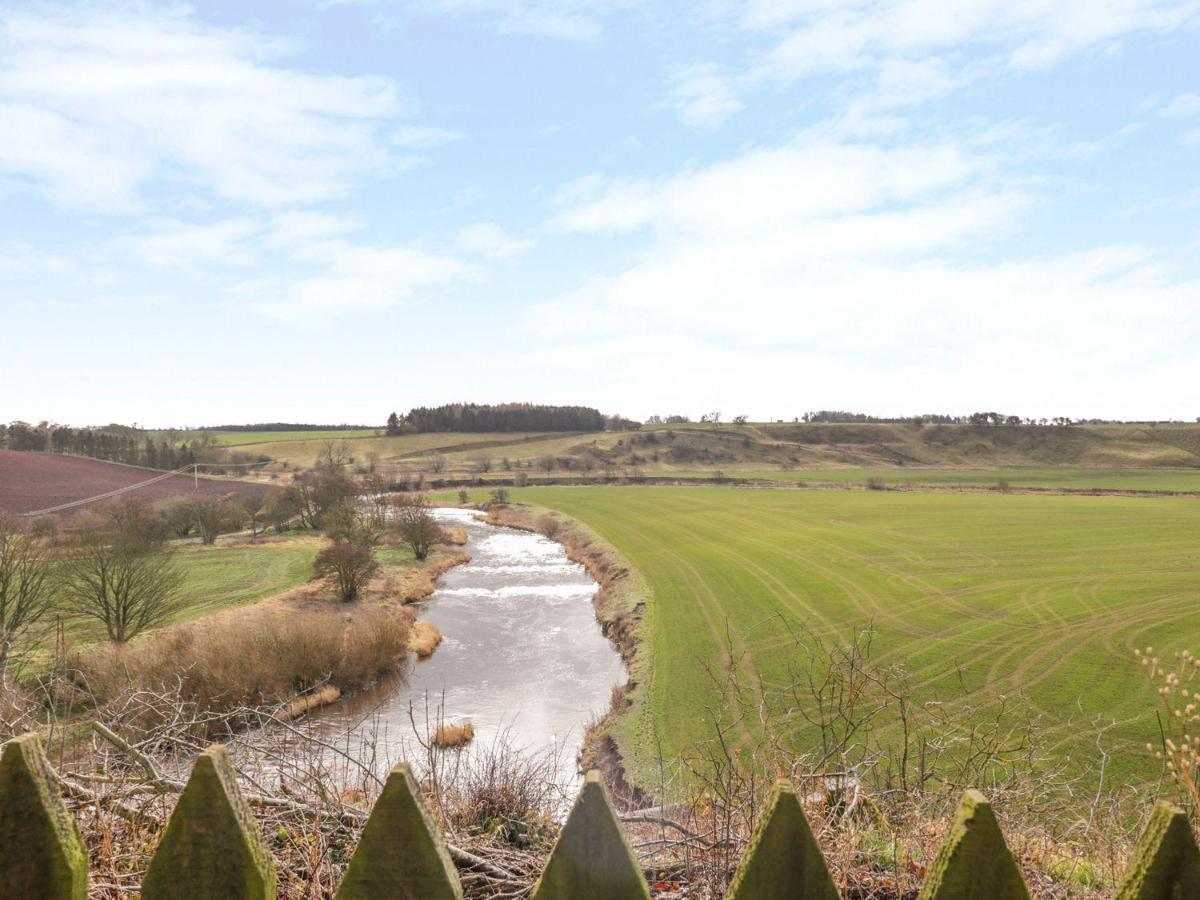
(1068, 478)
(30, 481)
(978, 596)
(1085, 457)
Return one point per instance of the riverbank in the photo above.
(284, 651)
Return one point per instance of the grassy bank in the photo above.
(228, 576)
(980, 597)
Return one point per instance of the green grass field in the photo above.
(995, 595)
(1132, 479)
(223, 577)
(240, 438)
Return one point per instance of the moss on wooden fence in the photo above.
(211, 848)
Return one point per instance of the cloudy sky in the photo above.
(321, 210)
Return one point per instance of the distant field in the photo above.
(32, 481)
(1040, 595)
(304, 452)
(1161, 479)
(238, 438)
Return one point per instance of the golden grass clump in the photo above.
(451, 737)
(423, 638)
(261, 655)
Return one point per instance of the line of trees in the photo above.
(995, 419)
(503, 417)
(116, 443)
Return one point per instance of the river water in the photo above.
(522, 656)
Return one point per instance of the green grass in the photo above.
(222, 577)
(411, 447)
(239, 438)
(995, 595)
(1161, 479)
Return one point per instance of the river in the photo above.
(522, 656)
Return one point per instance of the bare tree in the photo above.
(253, 506)
(351, 564)
(482, 462)
(437, 463)
(211, 516)
(415, 524)
(334, 456)
(25, 571)
(121, 580)
(317, 492)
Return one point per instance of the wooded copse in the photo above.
(500, 417)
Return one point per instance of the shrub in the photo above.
(424, 639)
(452, 737)
(500, 496)
(549, 526)
(351, 564)
(415, 524)
(876, 484)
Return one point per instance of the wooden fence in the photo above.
(211, 848)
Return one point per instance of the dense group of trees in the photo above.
(116, 443)
(500, 417)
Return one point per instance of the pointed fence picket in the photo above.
(211, 848)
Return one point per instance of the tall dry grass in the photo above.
(260, 656)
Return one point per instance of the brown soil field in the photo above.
(30, 481)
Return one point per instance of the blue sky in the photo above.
(321, 211)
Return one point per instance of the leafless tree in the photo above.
(437, 463)
(211, 516)
(415, 524)
(253, 506)
(317, 492)
(351, 564)
(334, 456)
(25, 586)
(121, 580)
(482, 462)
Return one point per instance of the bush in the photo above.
(549, 526)
(351, 565)
(876, 484)
(500, 496)
(415, 524)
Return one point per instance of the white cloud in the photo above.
(827, 272)
(489, 239)
(703, 96)
(1185, 106)
(186, 245)
(921, 49)
(350, 279)
(564, 19)
(97, 105)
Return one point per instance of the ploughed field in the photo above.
(979, 596)
(32, 481)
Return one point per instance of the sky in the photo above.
(324, 210)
